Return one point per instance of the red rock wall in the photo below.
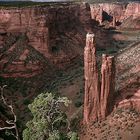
(120, 11)
(46, 29)
(25, 21)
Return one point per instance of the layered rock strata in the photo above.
(33, 37)
(98, 98)
(118, 11)
(53, 33)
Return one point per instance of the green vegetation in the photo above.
(26, 101)
(17, 4)
(21, 4)
(79, 101)
(49, 121)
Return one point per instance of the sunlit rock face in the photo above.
(121, 11)
(33, 37)
(92, 94)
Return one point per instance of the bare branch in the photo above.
(4, 128)
(11, 122)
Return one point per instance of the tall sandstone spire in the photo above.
(107, 85)
(91, 100)
(98, 99)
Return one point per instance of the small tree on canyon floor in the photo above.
(49, 121)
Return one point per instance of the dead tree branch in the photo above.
(10, 122)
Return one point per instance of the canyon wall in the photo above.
(98, 101)
(121, 11)
(33, 37)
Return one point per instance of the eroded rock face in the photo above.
(117, 11)
(91, 100)
(33, 37)
(107, 85)
(26, 21)
(98, 101)
(133, 102)
(52, 33)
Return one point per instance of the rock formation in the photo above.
(52, 33)
(107, 85)
(98, 98)
(41, 35)
(91, 100)
(119, 11)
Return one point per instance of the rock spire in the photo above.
(98, 97)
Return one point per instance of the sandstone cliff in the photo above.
(119, 11)
(33, 37)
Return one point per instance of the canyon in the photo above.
(63, 47)
(51, 32)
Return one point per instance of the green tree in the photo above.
(49, 121)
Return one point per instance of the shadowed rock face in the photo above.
(107, 85)
(98, 99)
(33, 37)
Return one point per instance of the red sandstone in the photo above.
(119, 11)
(107, 85)
(91, 100)
(98, 99)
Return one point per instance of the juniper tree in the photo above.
(49, 121)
